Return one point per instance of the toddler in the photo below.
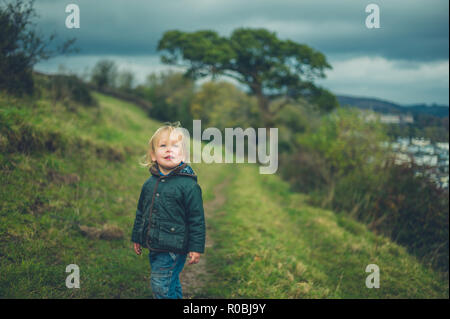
(170, 220)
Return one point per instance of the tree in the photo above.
(170, 94)
(104, 74)
(271, 68)
(222, 105)
(125, 81)
(21, 47)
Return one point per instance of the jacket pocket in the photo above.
(171, 235)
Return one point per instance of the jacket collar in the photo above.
(183, 169)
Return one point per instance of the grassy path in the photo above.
(195, 277)
(269, 243)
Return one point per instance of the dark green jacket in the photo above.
(169, 215)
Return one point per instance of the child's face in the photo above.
(169, 151)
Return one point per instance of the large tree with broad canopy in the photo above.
(271, 68)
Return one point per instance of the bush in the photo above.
(69, 87)
(170, 95)
(414, 212)
(21, 47)
(304, 169)
(104, 74)
(65, 88)
(343, 167)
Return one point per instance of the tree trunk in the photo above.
(263, 104)
(266, 115)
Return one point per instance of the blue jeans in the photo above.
(165, 274)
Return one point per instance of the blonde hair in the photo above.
(167, 127)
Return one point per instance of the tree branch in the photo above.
(240, 79)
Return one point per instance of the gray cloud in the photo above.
(413, 30)
(412, 34)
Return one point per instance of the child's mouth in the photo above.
(168, 157)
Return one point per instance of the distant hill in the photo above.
(382, 106)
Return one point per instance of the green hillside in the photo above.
(70, 185)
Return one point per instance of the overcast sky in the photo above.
(405, 61)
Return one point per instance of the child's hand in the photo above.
(137, 248)
(194, 257)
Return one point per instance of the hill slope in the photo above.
(382, 106)
(70, 184)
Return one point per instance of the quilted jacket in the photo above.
(169, 215)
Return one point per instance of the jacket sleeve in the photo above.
(196, 220)
(139, 215)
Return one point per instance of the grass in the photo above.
(40, 216)
(62, 170)
(271, 244)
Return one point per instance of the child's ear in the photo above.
(153, 156)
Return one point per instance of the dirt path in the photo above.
(194, 277)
